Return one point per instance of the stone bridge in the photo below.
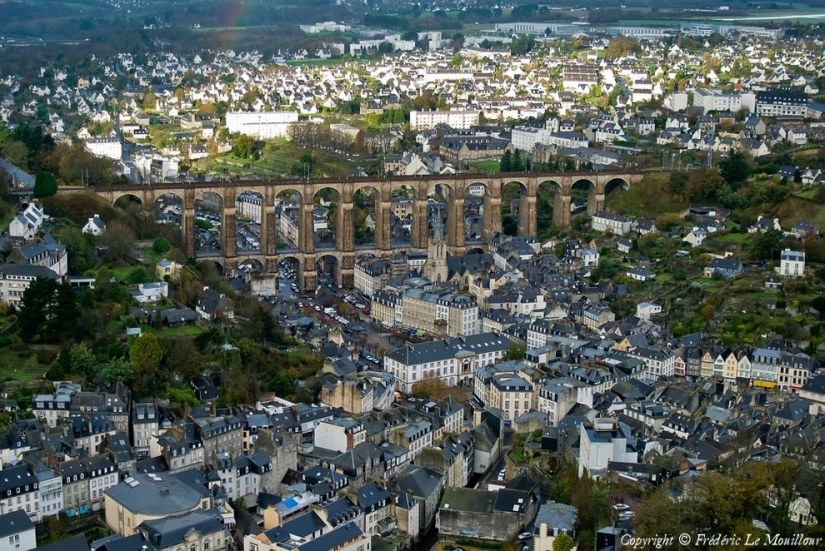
(420, 188)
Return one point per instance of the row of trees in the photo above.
(513, 162)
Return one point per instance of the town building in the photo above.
(601, 442)
(791, 263)
(16, 278)
(261, 125)
(17, 531)
(147, 497)
(451, 359)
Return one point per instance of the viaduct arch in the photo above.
(422, 188)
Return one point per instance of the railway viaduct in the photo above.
(345, 251)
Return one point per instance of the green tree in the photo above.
(150, 100)
(607, 269)
(506, 163)
(727, 197)
(514, 352)
(563, 542)
(735, 168)
(517, 165)
(145, 355)
(767, 244)
(522, 44)
(622, 46)
(35, 306)
(118, 369)
(161, 245)
(118, 240)
(44, 185)
(182, 395)
(244, 146)
(83, 361)
(138, 275)
(80, 247)
(703, 183)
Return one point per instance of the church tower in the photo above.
(435, 268)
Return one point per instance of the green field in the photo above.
(732, 238)
(172, 332)
(20, 365)
(278, 159)
(490, 165)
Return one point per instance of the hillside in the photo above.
(649, 198)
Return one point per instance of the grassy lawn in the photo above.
(278, 159)
(121, 273)
(172, 332)
(807, 193)
(490, 165)
(737, 238)
(517, 455)
(21, 365)
(762, 295)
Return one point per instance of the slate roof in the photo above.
(155, 494)
(301, 526)
(15, 477)
(334, 539)
(414, 354)
(169, 531)
(556, 515)
(23, 270)
(371, 494)
(14, 523)
(419, 481)
(73, 543)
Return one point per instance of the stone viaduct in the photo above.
(345, 251)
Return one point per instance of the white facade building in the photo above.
(110, 148)
(791, 264)
(50, 488)
(249, 206)
(714, 100)
(524, 138)
(264, 125)
(423, 120)
(600, 443)
(17, 532)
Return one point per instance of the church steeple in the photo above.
(435, 268)
(438, 228)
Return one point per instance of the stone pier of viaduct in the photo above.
(345, 251)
